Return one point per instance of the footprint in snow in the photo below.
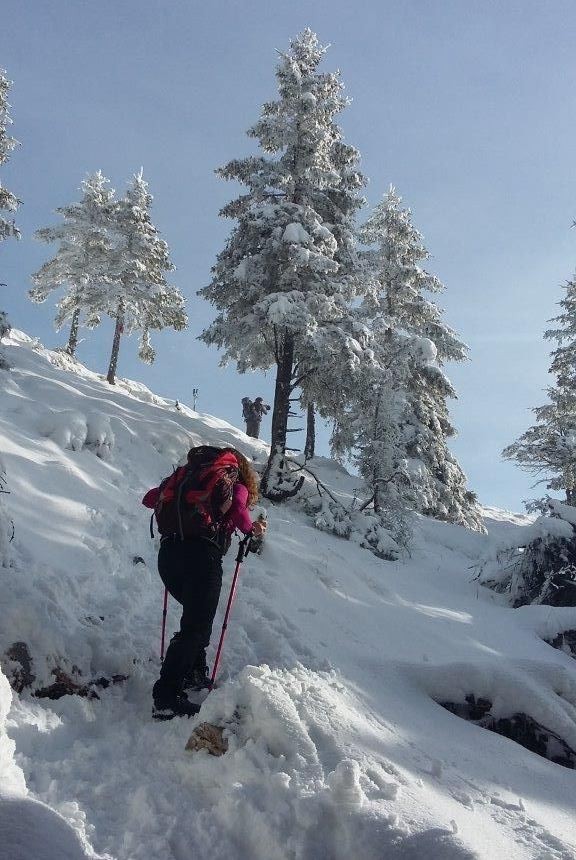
(328, 581)
(376, 785)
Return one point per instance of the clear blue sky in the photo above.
(466, 107)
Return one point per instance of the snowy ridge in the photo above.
(333, 667)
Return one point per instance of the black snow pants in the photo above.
(191, 570)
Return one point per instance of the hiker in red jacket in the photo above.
(190, 564)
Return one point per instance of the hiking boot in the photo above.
(177, 706)
(197, 679)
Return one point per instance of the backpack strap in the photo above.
(179, 506)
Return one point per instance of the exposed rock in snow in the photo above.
(208, 737)
(518, 727)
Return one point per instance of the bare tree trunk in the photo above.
(111, 377)
(283, 389)
(73, 337)
(310, 432)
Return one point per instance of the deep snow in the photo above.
(332, 670)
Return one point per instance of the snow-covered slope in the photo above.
(332, 671)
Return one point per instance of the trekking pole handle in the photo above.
(243, 547)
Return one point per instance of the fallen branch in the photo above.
(320, 486)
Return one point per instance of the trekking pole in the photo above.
(164, 613)
(242, 553)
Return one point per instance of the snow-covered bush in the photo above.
(74, 430)
(330, 517)
(538, 563)
(68, 429)
(380, 533)
(99, 436)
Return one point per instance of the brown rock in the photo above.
(208, 737)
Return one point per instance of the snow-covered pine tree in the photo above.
(549, 446)
(289, 268)
(8, 201)
(83, 260)
(398, 282)
(372, 413)
(4, 324)
(361, 389)
(4, 329)
(136, 296)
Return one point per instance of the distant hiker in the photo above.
(252, 413)
(197, 509)
(261, 408)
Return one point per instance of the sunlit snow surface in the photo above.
(333, 663)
